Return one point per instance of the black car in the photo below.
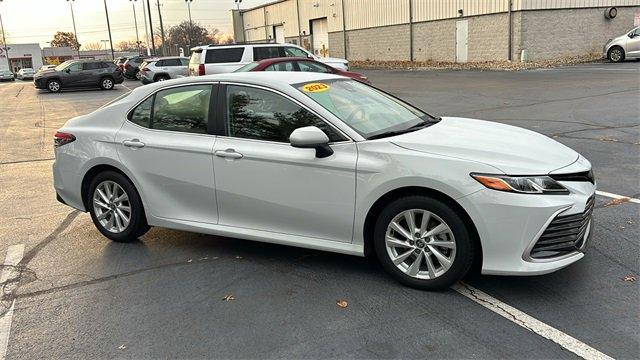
(132, 66)
(79, 73)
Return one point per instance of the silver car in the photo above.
(6, 74)
(623, 47)
(25, 73)
(165, 68)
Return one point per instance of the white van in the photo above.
(219, 59)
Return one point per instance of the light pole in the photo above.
(146, 32)
(135, 21)
(4, 42)
(106, 11)
(153, 43)
(190, 22)
(75, 33)
(237, 4)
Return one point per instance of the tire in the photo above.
(112, 226)
(106, 83)
(54, 86)
(161, 78)
(454, 244)
(616, 54)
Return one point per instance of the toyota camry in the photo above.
(325, 162)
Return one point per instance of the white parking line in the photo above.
(616, 196)
(13, 258)
(126, 87)
(530, 323)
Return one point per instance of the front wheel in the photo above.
(106, 83)
(116, 208)
(616, 54)
(54, 86)
(161, 78)
(423, 243)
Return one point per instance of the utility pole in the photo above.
(153, 43)
(135, 21)
(146, 31)
(190, 22)
(113, 56)
(75, 33)
(161, 29)
(4, 42)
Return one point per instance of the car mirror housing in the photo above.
(310, 137)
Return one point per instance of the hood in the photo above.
(510, 149)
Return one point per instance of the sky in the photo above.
(35, 21)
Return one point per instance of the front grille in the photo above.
(585, 176)
(564, 235)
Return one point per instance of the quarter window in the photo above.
(141, 115)
(295, 52)
(309, 66)
(263, 115)
(184, 109)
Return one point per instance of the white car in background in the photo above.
(623, 47)
(25, 73)
(220, 59)
(325, 162)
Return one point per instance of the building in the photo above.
(21, 56)
(62, 54)
(441, 30)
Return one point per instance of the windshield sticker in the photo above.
(315, 87)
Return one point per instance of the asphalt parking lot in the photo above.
(77, 295)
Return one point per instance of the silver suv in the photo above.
(164, 68)
(219, 59)
(625, 46)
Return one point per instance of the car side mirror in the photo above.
(67, 70)
(310, 137)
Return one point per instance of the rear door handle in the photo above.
(135, 143)
(229, 154)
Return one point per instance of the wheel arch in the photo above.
(93, 172)
(156, 76)
(375, 210)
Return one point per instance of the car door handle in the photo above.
(229, 154)
(135, 143)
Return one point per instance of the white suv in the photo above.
(219, 59)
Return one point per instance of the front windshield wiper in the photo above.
(420, 125)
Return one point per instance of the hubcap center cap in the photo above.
(420, 243)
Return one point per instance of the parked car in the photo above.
(219, 59)
(47, 67)
(25, 74)
(132, 66)
(299, 64)
(623, 47)
(162, 69)
(6, 74)
(325, 162)
(80, 73)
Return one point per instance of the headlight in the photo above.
(521, 184)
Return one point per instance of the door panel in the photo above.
(276, 187)
(320, 34)
(174, 169)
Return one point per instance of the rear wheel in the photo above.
(162, 78)
(116, 208)
(423, 243)
(106, 83)
(616, 54)
(54, 85)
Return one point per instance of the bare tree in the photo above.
(93, 46)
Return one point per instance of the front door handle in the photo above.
(229, 154)
(135, 143)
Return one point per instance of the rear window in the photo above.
(267, 52)
(248, 67)
(226, 55)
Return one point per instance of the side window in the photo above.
(184, 62)
(184, 109)
(75, 67)
(309, 66)
(160, 63)
(141, 115)
(172, 62)
(266, 52)
(224, 55)
(91, 66)
(281, 66)
(294, 52)
(263, 115)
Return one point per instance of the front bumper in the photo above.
(509, 225)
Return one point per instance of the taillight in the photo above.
(145, 69)
(127, 66)
(201, 69)
(61, 138)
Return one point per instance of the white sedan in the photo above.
(325, 162)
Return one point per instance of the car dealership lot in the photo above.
(78, 295)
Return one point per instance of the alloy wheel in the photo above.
(107, 83)
(420, 244)
(54, 86)
(616, 55)
(111, 206)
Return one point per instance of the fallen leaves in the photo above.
(122, 347)
(607, 139)
(342, 303)
(228, 297)
(629, 278)
(617, 201)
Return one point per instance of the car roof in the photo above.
(256, 44)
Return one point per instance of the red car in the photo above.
(299, 64)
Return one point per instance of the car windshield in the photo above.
(63, 65)
(369, 111)
(248, 67)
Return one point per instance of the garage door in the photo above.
(279, 33)
(320, 33)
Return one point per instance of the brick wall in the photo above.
(548, 34)
(434, 40)
(489, 37)
(380, 43)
